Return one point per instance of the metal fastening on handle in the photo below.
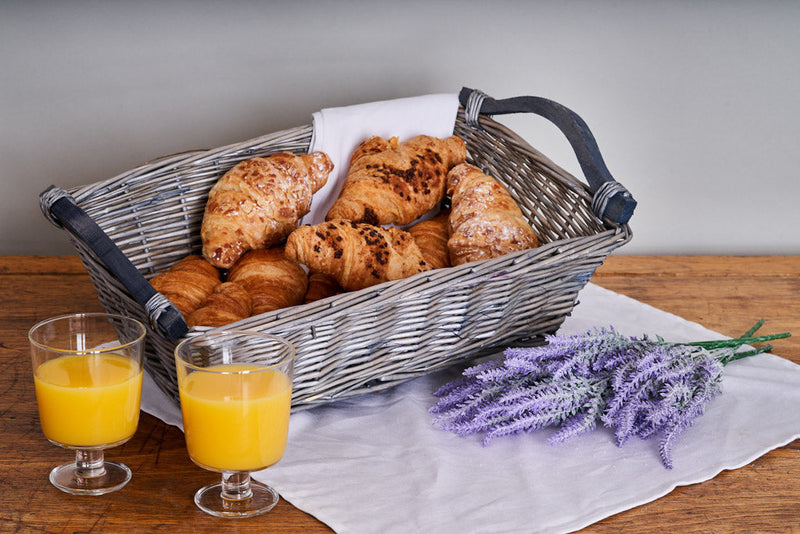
(473, 108)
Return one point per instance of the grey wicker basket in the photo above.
(367, 340)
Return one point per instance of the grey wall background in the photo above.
(694, 104)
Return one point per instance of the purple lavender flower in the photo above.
(636, 386)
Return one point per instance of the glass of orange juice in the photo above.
(236, 393)
(87, 373)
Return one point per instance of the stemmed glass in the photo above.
(235, 390)
(87, 371)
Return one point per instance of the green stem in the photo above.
(733, 355)
(755, 327)
(738, 342)
(746, 339)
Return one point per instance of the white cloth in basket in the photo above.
(338, 131)
(376, 463)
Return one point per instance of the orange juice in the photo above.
(88, 400)
(236, 421)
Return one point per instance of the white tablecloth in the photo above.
(377, 464)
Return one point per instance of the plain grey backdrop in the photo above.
(694, 104)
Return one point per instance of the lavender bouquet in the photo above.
(636, 386)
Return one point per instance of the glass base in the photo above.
(262, 499)
(70, 478)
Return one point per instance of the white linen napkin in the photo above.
(376, 463)
(338, 131)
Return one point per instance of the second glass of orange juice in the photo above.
(236, 392)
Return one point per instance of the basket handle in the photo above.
(61, 209)
(611, 200)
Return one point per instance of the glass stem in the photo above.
(91, 463)
(236, 486)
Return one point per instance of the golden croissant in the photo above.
(356, 255)
(259, 202)
(187, 283)
(396, 183)
(320, 286)
(272, 281)
(228, 302)
(431, 236)
(485, 221)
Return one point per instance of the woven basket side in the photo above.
(397, 339)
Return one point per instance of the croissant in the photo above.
(228, 302)
(485, 222)
(196, 263)
(259, 202)
(320, 286)
(431, 238)
(391, 183)
(356, 255)
(187, 283)
(272, 281)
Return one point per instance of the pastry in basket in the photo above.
(320, 286)
(485, 222)
(396, 183)
(272, 281)
(431, 237)
(356, 255)
(187, 283)
(228, 302)
(259, 202)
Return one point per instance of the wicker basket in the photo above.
(129, 227)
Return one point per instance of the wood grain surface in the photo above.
(726, 294)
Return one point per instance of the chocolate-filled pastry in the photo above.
(356, 255)
(396, 183)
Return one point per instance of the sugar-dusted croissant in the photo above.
(391, 183)
(228, 302)
(485, 222)
(356, 255)
(187, 283)
(431, 236)
(259, 202)
(320, 286)
(272, 281)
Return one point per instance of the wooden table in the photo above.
(726, 294)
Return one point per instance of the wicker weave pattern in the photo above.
(380, 336)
